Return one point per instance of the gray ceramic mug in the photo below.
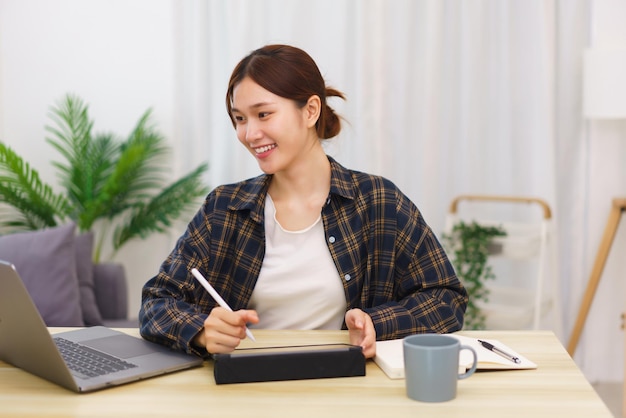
(431, 366)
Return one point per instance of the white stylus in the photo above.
(216, 296)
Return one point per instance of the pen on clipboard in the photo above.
(496, 350)
(200, 278)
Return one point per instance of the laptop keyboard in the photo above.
(86, 362)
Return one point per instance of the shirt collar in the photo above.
(251, 195)
(341, 181)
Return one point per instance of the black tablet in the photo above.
(289, 363)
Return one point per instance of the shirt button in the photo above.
(331, 240)
(347, 277)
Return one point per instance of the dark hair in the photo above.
(291, 73)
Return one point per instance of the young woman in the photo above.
(308, 244)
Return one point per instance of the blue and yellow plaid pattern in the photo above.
(390, 262)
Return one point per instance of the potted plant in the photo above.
(116, 189)
(469, 246)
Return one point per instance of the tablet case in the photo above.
(289, 363)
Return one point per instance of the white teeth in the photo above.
(266, 148)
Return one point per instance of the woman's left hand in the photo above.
(362, 331)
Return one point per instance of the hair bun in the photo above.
(330, 123)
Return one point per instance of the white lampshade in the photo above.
(604, 84)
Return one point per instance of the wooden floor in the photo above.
(612, 395)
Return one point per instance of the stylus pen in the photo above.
(216, 296)
(496, 350)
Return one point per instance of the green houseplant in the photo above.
(469, 246)
(116, 189)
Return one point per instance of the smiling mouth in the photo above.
(266, 148)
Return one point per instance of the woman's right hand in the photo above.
(223, 330)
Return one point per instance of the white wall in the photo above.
(117, 55)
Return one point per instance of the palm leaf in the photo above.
(72, 136)
(137, 174)
(89, 180)
(148, 149)
(89, 160)
(26, 216)
(158, 214)
(22, 188)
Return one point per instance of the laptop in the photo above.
(113, 357)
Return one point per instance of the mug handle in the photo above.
(474, 364)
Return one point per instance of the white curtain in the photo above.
(444, 97)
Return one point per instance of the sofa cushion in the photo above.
(84, 270)
(111, 292)
(45, 260)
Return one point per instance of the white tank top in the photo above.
(298, 286)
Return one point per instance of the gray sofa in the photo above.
(111, 294)
(67, 287)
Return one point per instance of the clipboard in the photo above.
(289, 363)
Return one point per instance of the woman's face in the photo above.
(274, 129)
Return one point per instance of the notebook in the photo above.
(25, 342)
(390, 357)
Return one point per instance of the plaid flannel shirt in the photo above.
(390, 262)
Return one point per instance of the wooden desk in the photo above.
(556, 389)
